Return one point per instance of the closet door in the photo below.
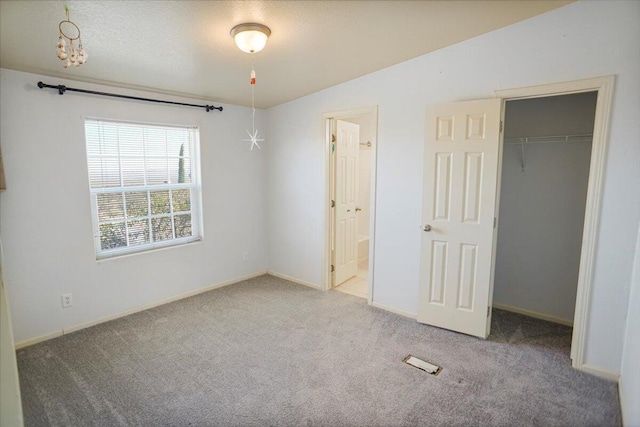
(459, 199)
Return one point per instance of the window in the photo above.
(144, 182)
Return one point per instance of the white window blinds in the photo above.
(144, 183)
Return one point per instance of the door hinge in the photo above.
(333, 138)
(500, 125)
(488, 311)
(333, 268)
(495, 221)
(333, 203)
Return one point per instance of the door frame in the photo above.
(327, 119)
(604, 87)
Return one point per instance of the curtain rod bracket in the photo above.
(62, 89)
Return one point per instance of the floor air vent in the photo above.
(429, 368)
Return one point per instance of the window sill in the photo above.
(105, 258)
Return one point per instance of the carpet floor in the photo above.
(267, 352)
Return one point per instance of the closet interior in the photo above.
(545, 174)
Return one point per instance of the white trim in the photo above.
(9, 375)
(394, 310)
(562, 88)
(149, 251)
(607, 375)
(39, 339)
(194, 187)
(533, 314)
(623, 402)
(138, 188)
(604, 87)
(139, 124)
(294, 280)
(145, 248)
(496, 216)
(326, 261)
(133, 310)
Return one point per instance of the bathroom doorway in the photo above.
(351, 154)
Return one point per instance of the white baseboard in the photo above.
(133, 310)
(394, 310)
(625, 405)
(294, 280)
(535, 314)
(36, 340)
(602, 373)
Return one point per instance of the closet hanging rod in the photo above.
(62, 89)
(548, 139)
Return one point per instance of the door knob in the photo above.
(358, 209)
(426, 227)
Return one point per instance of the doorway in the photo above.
(603, 88)
(546, 153)
(461, 204)
(351, 142)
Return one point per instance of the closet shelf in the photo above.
(549, 139)
(545, 140)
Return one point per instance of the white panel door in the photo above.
(460, 178)
(346, 239)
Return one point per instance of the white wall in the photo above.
(629, 373)
(542, 208)
(574, 42)
(46, 213)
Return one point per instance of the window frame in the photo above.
(195, 188)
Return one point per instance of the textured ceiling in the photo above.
(184, 47)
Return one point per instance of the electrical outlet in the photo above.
(245, 256)
(67, 300)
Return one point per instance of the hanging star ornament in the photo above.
(254, 138)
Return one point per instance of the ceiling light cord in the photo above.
(254, 137)
(253, 97)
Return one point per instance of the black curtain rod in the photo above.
(62, 89)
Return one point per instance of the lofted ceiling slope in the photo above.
(184, 47)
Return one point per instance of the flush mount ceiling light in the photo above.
(250, 38)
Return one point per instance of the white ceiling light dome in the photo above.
(250, 38)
